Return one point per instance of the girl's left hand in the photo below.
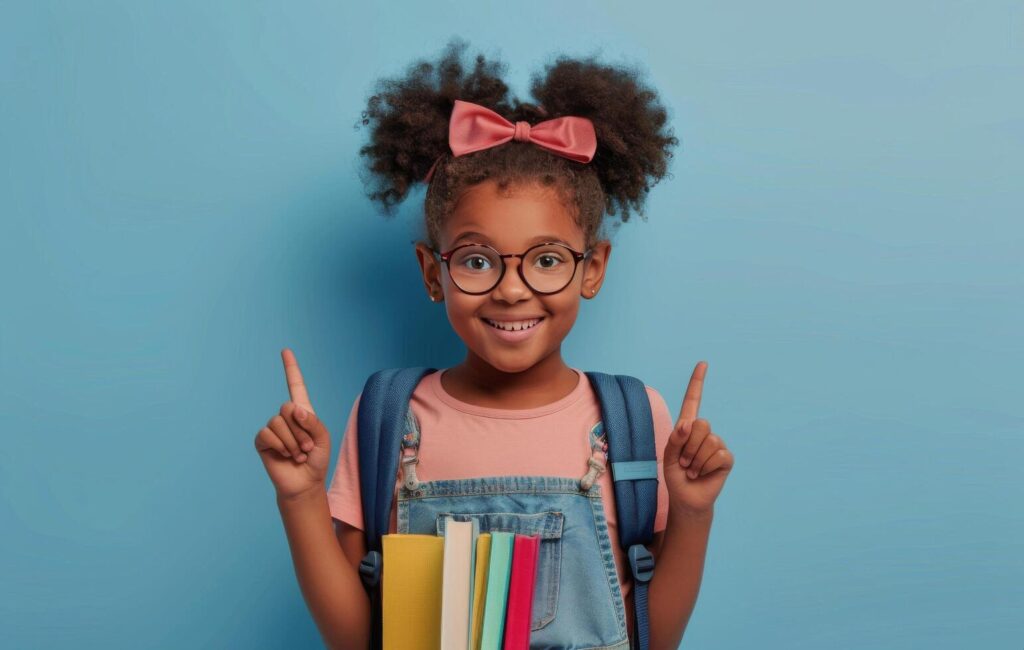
(696, 460)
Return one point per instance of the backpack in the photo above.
(628, 425)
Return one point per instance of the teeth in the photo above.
(513, 326)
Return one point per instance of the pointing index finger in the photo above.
(691, 401)
(296, 385)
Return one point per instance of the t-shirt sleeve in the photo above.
(663, 425)
(343, 497)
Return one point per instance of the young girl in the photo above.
(515, 201)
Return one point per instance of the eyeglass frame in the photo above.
(577, 258)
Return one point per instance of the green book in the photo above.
(496, 599)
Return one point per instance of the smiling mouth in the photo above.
(513, 326)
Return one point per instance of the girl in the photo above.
(516, 194)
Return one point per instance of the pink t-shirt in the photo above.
(460, 440)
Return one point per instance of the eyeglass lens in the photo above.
(547, 268)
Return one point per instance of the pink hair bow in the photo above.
(473, 127)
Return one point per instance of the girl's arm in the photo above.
(328, 575)
(678, 567)
(696, 463)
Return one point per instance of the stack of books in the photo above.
(464, 590)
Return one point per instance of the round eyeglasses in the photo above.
(545, 268)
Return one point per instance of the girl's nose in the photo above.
(511, 288)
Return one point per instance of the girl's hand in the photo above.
(696, 460)
(295, 450)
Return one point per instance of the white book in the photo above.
(457, 583)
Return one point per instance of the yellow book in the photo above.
(483, 554)
(411, 591)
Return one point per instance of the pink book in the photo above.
(520, 592)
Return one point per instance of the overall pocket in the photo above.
(547, 526)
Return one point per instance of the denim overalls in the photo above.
(577, 600)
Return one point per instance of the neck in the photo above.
(477, 382)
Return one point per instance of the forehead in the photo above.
(510, 219)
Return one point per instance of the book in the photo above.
(411, 591)
(492, 632)
(483, 556)
(457, 582)
(520, 592)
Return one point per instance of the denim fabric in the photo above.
(577, 601)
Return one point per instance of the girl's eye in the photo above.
(548, 261)
(477, 263)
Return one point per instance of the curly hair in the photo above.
(408, 119)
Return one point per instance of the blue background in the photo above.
(841, 240)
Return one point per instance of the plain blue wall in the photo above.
(841, 239)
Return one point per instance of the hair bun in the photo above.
(633, 143)
(408, 117)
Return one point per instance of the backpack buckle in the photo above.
(369, 569)
(641, 562)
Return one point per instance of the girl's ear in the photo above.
(594, 268)
(430, 267)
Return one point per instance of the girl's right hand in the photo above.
(295, 452)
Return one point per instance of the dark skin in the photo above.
(497, 373)
(295, 445)
(532, 373)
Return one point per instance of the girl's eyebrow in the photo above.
(538, 238)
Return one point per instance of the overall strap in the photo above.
(382, 414)
(629, 427)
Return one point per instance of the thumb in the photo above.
(308, 420)
(676, 440)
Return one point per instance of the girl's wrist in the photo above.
(689, 515)
(301, 498)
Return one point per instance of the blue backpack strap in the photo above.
(383, 407)
(629, 427)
